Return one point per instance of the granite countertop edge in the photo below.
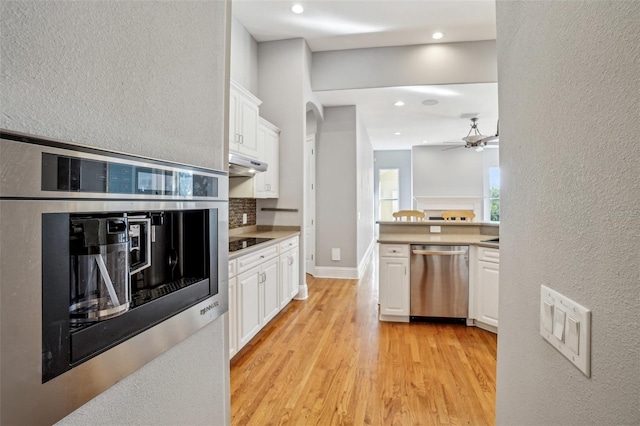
(277, 237)
(442, 239)
(438, 223)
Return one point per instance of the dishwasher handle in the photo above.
(439, 253)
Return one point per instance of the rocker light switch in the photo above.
(573, 335)
(558, 324)
(547, 318)
(566, 326)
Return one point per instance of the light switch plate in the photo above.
(577, 319)
(435, 229)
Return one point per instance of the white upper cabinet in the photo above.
(267, 183)
(243, 121)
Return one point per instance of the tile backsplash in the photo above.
(238, 206)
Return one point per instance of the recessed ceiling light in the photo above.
(297, 8)
(429, 102)
(425, 142)
(399, 103)
(437, 35)
(397, 133)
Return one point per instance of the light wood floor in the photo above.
(328, 360)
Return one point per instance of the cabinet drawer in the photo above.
(233, 268)
(248, 261)
(394, 250)
(489, 254)
(288, 244)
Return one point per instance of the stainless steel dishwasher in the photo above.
(439, 282)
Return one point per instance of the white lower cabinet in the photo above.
(233, 308)
(487, 287)
(249, 306)
(257, 299)
(289, 276)
(270, 284)
(265, 284)
(233, 322)
(393, 280)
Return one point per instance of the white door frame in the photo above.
(309, 215)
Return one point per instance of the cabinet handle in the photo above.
(264, 277)
(241, 138)
(405, 270)
(262, 256)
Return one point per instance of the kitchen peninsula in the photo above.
(395, 240)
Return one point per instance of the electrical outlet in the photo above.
(244, 218)
(335, 254)
(435, 229)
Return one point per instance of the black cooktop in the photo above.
(239, 243)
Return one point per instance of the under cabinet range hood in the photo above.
(245, 166)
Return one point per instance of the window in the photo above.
(388, 193)
(494, 194)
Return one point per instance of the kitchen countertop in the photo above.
(277, 235)
(446, 239)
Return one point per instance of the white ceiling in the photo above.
(348, 24)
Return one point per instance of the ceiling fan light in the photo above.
(473, 138)
(479, 148)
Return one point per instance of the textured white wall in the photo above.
(364, 185)
(438, 171)
(446, 63)
(146, 78)
(569, 155)
(244, 57)
(280, 82)
(337, 188)
(137, 77)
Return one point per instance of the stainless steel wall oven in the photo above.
(107, 260)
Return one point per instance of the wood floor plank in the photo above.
(328, 360)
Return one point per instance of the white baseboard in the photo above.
(336, 272)
(349, 273)
(366, 258)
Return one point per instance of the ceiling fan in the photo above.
(477, 140)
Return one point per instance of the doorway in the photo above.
(389, 190)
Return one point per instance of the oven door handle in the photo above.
(439, 253)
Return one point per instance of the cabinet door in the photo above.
(294, 273)
(270, 283)
(267, 183)
(272, 156)
(248, 123)
(233, 321)
(260, 180)
(285, 278)
(487, 293)
(394, 286)
(234, 136)
(249, 306)
(289, 276)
